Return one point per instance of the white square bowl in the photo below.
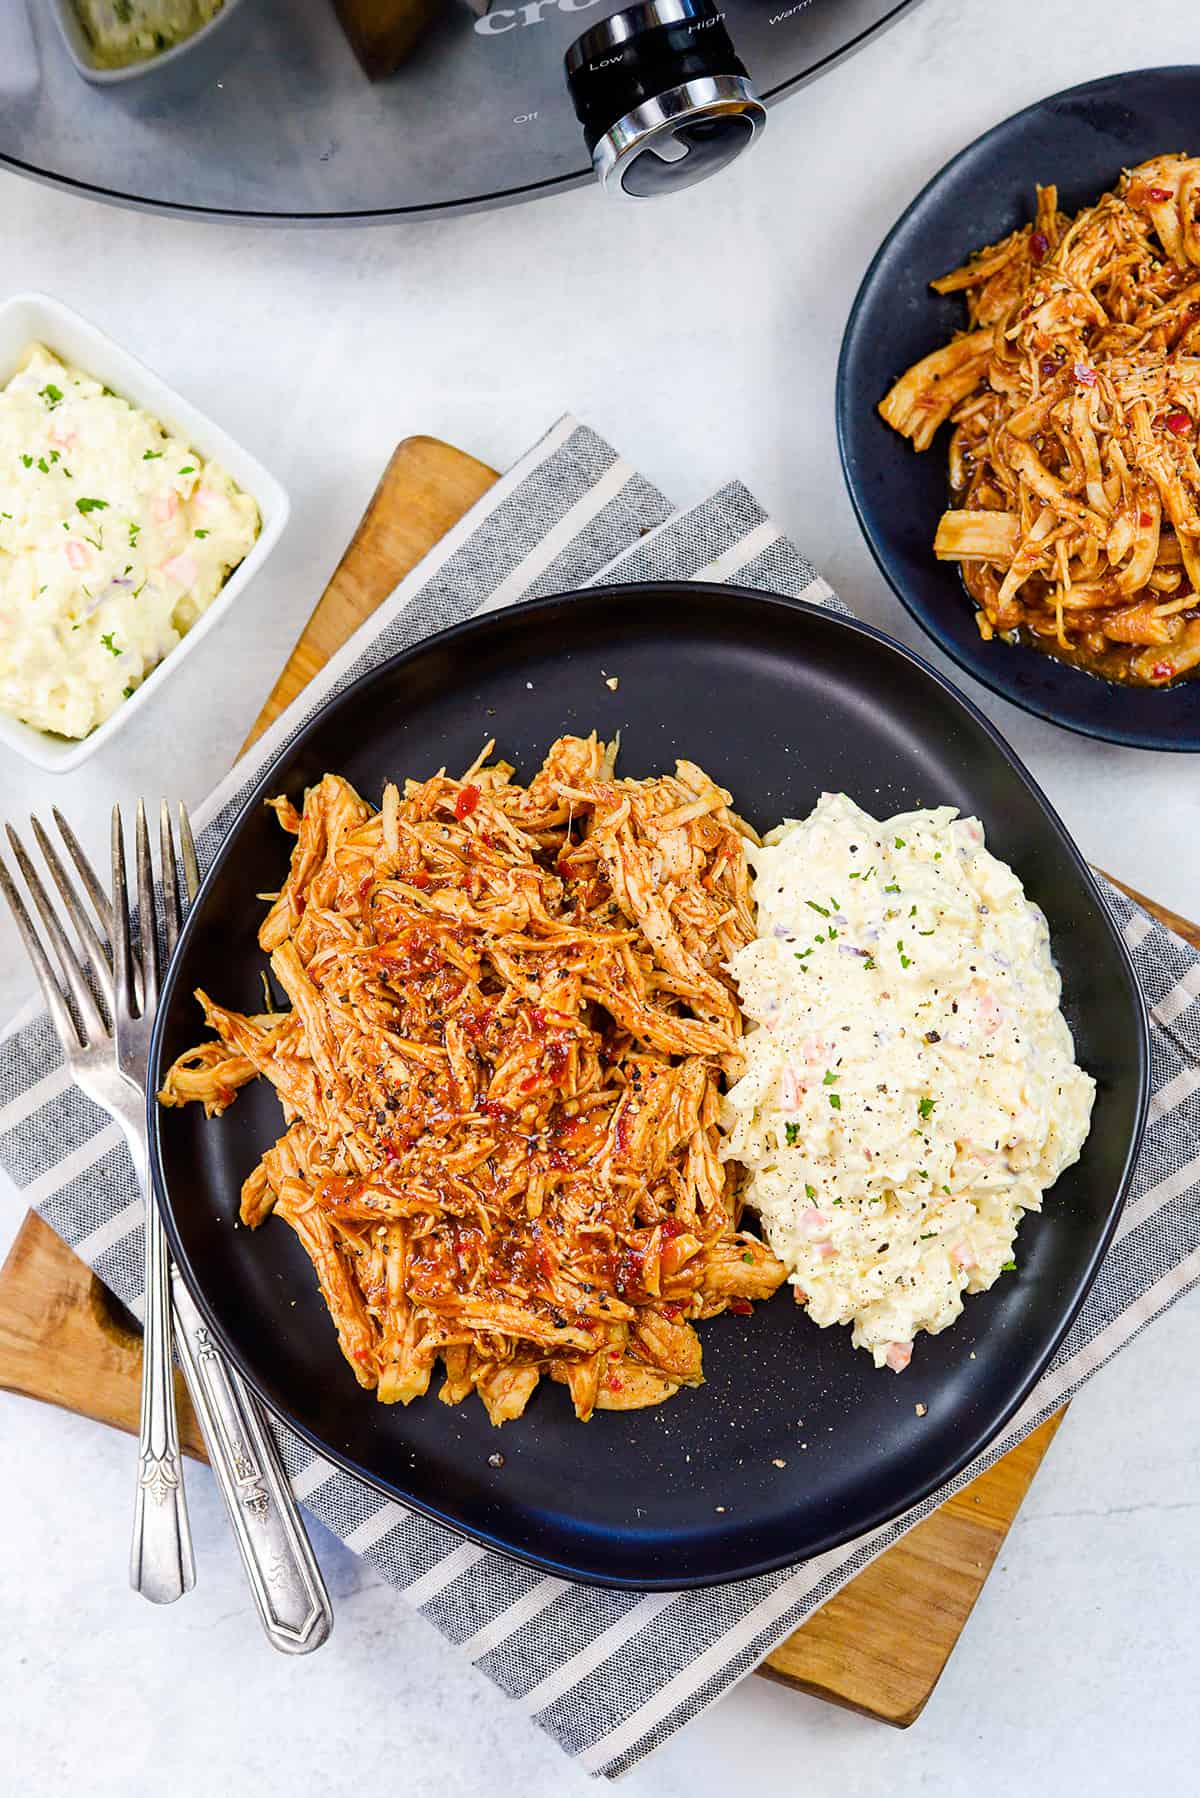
(36, 318)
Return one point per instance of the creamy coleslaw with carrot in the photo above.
(910, 1087)
(114, 537)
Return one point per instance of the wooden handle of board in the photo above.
(424, 491)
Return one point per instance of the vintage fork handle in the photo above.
(285, 1579)
(161, 1565)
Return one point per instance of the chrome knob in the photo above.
(662, 97)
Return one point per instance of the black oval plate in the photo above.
(778, 701)
(1080, 139)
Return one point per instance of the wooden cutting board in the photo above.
(880, 1645)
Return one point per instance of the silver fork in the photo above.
(103, 1054)
(284, 1577)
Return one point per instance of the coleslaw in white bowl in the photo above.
(127, 491)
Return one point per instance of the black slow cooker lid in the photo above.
(275, 116)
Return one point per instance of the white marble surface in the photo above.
(699, 334)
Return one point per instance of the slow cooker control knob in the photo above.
(662, 98)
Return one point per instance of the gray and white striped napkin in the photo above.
(610, 1675)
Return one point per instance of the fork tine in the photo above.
(94, 1027)
(147, 914)
(97, 952)
(122, 952)
(170, 880)
(60, 1017)
(91, 884)
(187, 844)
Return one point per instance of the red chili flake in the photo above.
(1161, 671)
(624, 1120)
(466, 802)
(362, 1354)
(671, 1310)
(671, 1227)
(1178, 422)
(420, 878)
(613, 1384)
(365, 885)
(741, 1307)
(1161, 193)
(300, 903)
(1084, 375)
(1039, 243)
(558, 1056)
(491, 1108)
(528, 1085)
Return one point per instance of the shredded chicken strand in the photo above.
(508, 1019)
(1074, 397)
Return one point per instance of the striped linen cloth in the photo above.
(609, 1675)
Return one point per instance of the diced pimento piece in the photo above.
(962, 1255)
(165, 507)
(182, 568)
(899, 1355)
(76, 554)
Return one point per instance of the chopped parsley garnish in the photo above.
(791, 1133)
(891, 887)
(28, 461)
(946, 1190)
(837, 1201)
(202, 533)
(928, 1235)
(813, 906)
(835, 1101)
(747, 1257)
(188, 470)
(91, 505)
(818, 938)
(905, 960)
(810, 1192)
(926, 1107)
(832, 935)
(151, 455)
(108, 641)
(831, 1078)
(870, 964)
(54, 456)
(1008, 1267)
(900, 844)
(926, 932)
(127, 693)
(51, 394)
(133, 535)
(43, 465)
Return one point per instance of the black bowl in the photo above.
(778, 701)
(1081, 139)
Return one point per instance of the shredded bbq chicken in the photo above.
(509, 1016)
(1075, 401)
